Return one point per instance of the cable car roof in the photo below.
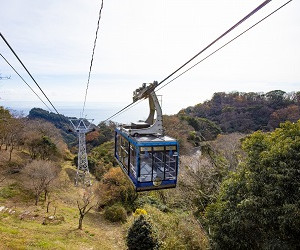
(152, 138)
(149, 140)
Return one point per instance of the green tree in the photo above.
(258, 206)
(206, 129)
(42, 148)
(141, 236)
(43, 140)
(106, 131)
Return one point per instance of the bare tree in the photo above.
(229, 146)
(5, 116)
(10, 131)
(85, 205)
(199, 179)
(41, 175)
(14, 130)
(2, 179)
(50, 199)
(43, 140)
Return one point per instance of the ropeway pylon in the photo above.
(82, 126)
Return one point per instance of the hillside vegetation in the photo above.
(248, 112)
(236, 190)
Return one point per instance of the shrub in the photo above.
(10, 191)
(14, 167)
(115, 188)
(151, 200)
(178, 230)
(115, 213)
(141, 235)
(139, 211)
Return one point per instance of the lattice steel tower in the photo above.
(82, 126)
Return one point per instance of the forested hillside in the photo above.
(59, 121)
(248, 112)
(94, 137)
(236, 189)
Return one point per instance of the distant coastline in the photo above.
(97, 111)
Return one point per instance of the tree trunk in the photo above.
(46, 194)
(48, 205)
(80, 222)
(10, 152)
(37, 198)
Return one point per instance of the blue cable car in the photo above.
(150, 162)
(148, 157)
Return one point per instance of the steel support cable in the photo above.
(199, 53)
(24, 81)
(92, 59)
(220, 37)
(28, 72)
(261, 20)
(127, 107)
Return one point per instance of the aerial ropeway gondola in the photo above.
(149, 158)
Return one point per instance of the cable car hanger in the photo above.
(150, 125)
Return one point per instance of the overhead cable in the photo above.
(220, 37)
(128, 107)
(95, 41)
(208, 46)
(225, 44)
(24, 81)
(28, 72)
(215, 51)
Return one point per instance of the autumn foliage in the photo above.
(115, 187)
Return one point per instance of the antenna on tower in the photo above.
(82, 126)
(4, 77)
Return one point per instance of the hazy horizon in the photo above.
(142, 41)
(99, 111)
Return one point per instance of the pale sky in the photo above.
(142, 41)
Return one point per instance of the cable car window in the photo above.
(161, 148)
(118, 149)
(170, 167)
(132, 160)
(145, 166)
(158, 165)
(124, 152)
(171, 148)
(142, 149)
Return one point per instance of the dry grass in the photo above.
(30, 233)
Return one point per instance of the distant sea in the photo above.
(97, 111)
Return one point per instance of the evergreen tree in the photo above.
(140, 235)
(258, 207)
